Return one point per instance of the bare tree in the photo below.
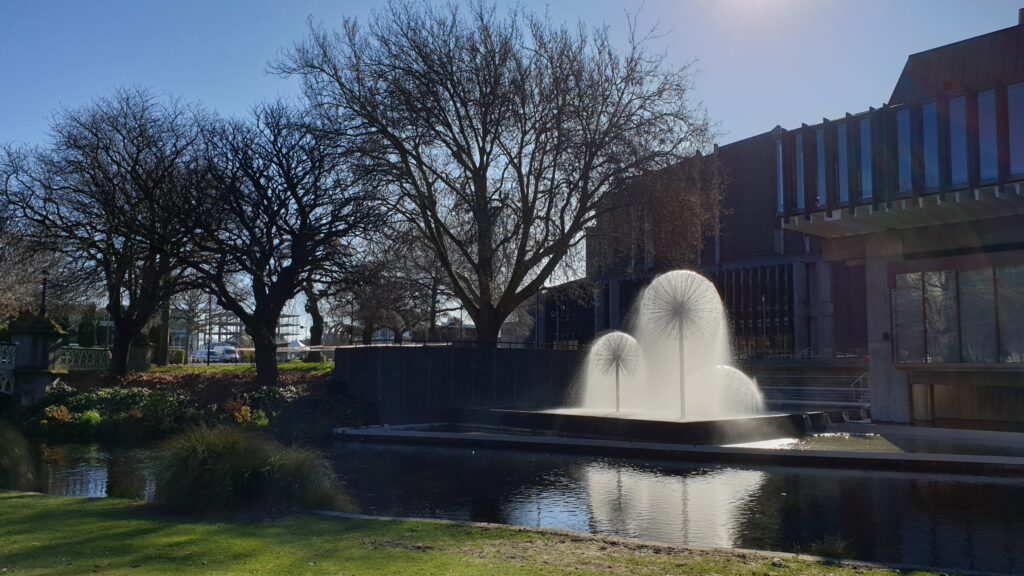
(498, 134)
(191, 306)
(99, 195)
(278, 213)
(660, 221)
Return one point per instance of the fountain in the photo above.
(681, 357)
(672, 380)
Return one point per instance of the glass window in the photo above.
(930, 132)
(903, 150)
(908, 318)
(988, 166)
(820, 136)
(977, 315)
(1015, 109)
(780, 204)
(1010, 298)
(843, 160)
(958, 141)
(799, 171)
(865, 158)
(940, 316)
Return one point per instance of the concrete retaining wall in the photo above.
(410, 385)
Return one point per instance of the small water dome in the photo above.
(612, 358)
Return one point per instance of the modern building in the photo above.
(926, 194)
(896, 233)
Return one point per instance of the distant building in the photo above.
(897, 232)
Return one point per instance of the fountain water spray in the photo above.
(616, 352)
(682, 344)
(680, 304)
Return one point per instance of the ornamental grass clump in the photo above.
(17, 471)
(226, 470)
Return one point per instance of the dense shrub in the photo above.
(227, 469)
(110, 411)
(176, 356)
(87, 330)
(16, 469)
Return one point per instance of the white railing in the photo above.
(76, 359)
(6, 369)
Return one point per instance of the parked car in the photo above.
(228, 354)
(200, 356)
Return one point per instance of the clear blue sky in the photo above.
(760, 62)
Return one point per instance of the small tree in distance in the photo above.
(497, 136)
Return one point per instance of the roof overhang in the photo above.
(905, 213)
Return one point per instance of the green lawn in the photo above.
(68, 536)
(312, 368)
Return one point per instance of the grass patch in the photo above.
(311, 368)
(66, 536)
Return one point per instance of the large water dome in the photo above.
(678, 366)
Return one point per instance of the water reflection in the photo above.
(938, 520)
(700, 508)
(92, 471)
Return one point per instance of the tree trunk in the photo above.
(161, 353)
(119, 352)
(488, 324)
(433, 334)
(265, 355)
(398, 334)
(316, 328)
(367, 333)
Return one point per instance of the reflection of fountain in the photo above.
(683, 337)
(704, 509)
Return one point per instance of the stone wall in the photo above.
(423, 384)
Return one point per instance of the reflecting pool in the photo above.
(950, 521)
(937, 520)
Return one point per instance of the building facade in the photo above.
(926, 195)
(895, 233)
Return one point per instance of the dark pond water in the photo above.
(937, 520)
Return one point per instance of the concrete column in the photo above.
(824, 309)
(614, 312)
(801, 339)
(890, 395)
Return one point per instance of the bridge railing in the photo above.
(7, 368)
(78, 359)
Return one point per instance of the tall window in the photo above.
(865, 158)
(799, 171)
(970, 315)
(988, 166)
(958, 141)
(780, 205)
(1010, 296)
(844, 169)
(930, 132)
(820, 137)
(903, 150)
(1015, 107)
(977, 315)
